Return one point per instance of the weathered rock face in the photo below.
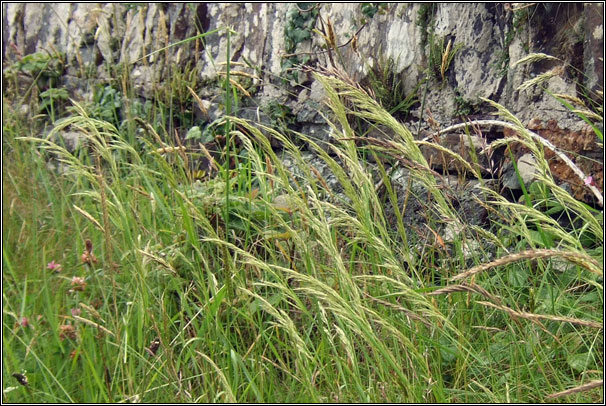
(464, 50)
(594, 35)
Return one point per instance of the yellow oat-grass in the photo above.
(89, 217)
(572, 99)
(542, 78)
(534, 57)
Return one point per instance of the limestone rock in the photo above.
(487, 34)
(527, 169)
(145, 40)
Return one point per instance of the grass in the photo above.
(263, 284)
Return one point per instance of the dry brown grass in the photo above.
(538, 317)
(578, 258)
(578, 389)
(471, 287)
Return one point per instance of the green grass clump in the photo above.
(259, 283)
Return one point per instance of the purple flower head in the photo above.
(53, 266)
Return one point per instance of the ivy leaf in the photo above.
(299, 35)
(518, 277)
(194, 133)
(579, 362)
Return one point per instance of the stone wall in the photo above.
(270, 38)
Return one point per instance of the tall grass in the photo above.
(265, 285)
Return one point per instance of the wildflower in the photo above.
(589, 181)
(23, 322)
(78, 284)
(67, 331)
(76, 312)
(53, 266)
(87, 256)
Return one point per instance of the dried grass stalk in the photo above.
(239, 73)
(332, 38)
(92, 323)
(210, 158)
(464, 287)
(445, 59)
(408, 313)
(239, 86)
(581, 388)
(537, 317)
(198, 100)
(576, 257)
(89, 217)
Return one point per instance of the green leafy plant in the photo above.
(53, 101)
(370, 9)
(388, 89)
(45, 68)
(107, 104)
(423, 21)
(301, 20)
(520, 20)
(463, 107)
(280, 115)
(441, 56)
